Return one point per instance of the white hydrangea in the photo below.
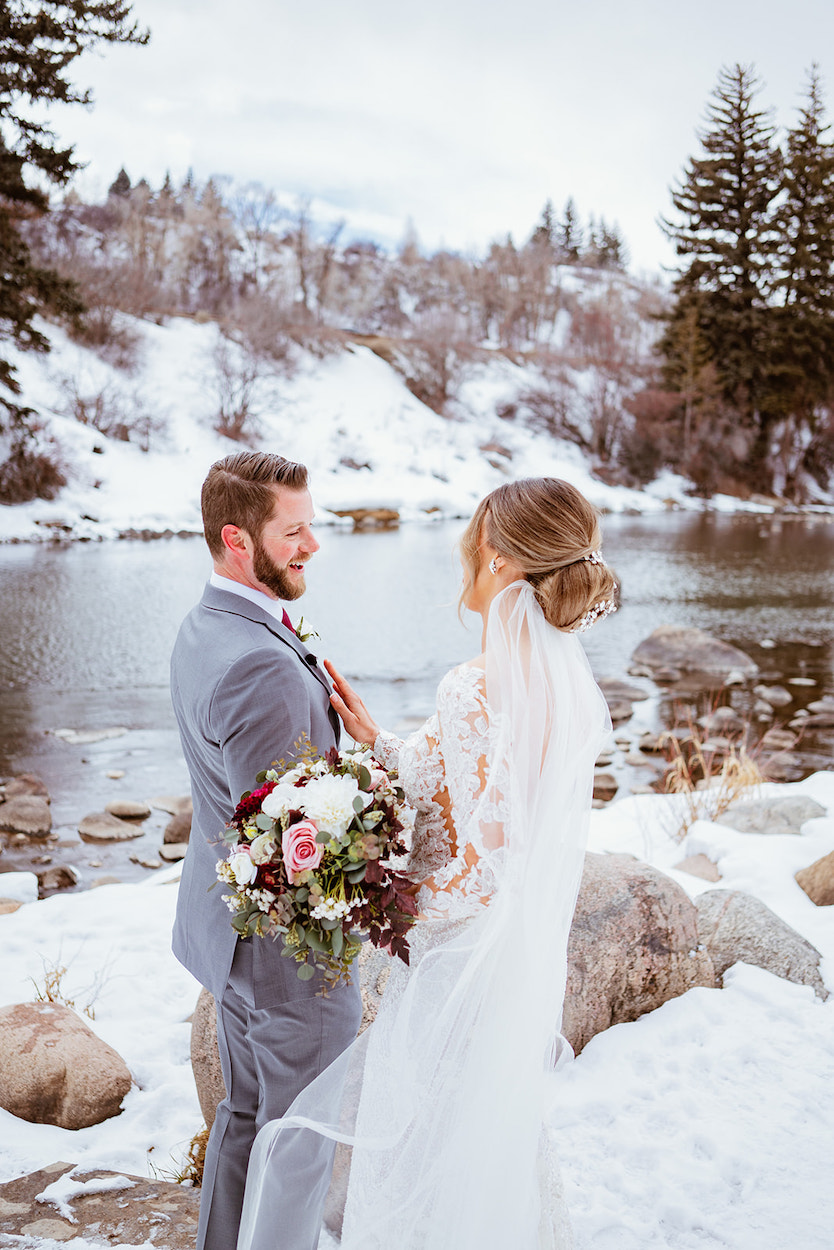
(328, 802)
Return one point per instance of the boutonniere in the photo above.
(303, 632)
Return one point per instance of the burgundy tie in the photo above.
(286, 620)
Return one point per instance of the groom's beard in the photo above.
(272, 575)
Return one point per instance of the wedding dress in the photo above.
(441, 1099)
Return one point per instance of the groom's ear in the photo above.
(235, 540)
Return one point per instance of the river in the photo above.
(86, 631)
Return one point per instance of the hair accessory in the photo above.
(493, 567)
(597, 613)
(594, 558)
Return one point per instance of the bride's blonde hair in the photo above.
(546, 527)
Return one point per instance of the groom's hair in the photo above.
(240, 490)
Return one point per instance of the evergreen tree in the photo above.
(40, 41)
(121, 184)
(569, 234)
(803, 329)
(545, 232)
(725, 238)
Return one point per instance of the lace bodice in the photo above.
(457, 846)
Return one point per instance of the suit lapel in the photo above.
(227, 601)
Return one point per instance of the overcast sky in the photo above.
(463, 115)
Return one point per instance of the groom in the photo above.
(244, 689)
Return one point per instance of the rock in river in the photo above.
(690, 651)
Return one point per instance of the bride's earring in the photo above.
(493, 565)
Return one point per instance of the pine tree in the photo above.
(569, 234)
(40, 40)
(545, 232)
(120, 185)
(725, 238)
(803, 331)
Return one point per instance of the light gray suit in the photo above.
(244, 689)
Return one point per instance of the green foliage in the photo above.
(749, 338)
(40, 40)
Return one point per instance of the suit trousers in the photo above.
(267, 1056)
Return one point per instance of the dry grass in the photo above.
(52, 990)
(710, 780)
(190, 1169)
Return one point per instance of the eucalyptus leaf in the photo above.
(358, 874)
(305, 972)
(364, 778)
(263, 821)
(327, 923)
(337, 941)
(322, 837)
(359, 803)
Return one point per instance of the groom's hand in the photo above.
(355, 716)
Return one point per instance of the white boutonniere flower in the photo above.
(303, 631)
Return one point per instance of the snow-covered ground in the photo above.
(708, 1123)
(348, 408)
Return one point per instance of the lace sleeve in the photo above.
(420, 768)
(469, 877)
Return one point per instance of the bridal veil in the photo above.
(441, 1099)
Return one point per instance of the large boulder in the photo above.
(205, 1057)
(737, 927)
(26, 813)
(817, 880)
(25, 783)
(633, 945)
(178, 828)
(55, 1070)
(778, 815)
(690, 650)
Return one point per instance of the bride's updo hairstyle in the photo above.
(551, 532)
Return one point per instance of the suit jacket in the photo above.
(244, 689)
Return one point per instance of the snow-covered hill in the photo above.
(368, 441)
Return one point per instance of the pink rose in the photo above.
(300, 849)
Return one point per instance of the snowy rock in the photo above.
(128, 809)
(617, 691)
(633, 945)
(699, 866)
(817, 880)
(724, 720)
(55, 1070)
(173, 851)
(26, 783)
(205, 1057)
(59, 877)
(173, 804)
(737, 927)
(783, 766)
(63, 1202)
(28, 813)
(605, 786)
(778, 739)
(178, 828)
(774, 696)
(102, 827)
(691, 651)
(780, 815)
(8, 905)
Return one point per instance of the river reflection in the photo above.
(87, 629)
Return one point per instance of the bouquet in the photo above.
(310, 861)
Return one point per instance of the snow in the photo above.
(348, 406)
(706, 1123)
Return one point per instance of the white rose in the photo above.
(284, 798)
(244, 870)
(262, 848)
(328, 802)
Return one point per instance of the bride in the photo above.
(441, 1099)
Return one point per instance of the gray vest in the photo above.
(244, 690)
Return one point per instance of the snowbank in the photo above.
(705, 1123)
